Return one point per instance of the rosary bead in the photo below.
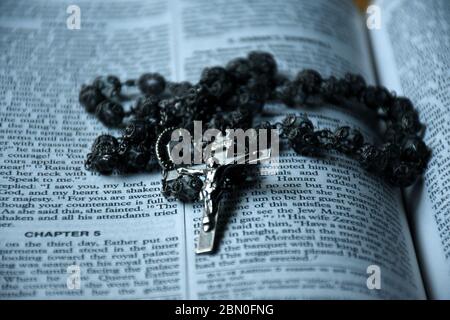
(110, 113)
(299, 130)
(110, 86)
(124, 145)
(197, 98)
(325, 138)
(136, 158)
(105, 163)
(309, 81)
(216, 81)
(167, 116)
(290, 94)
(261, 87)
(179, 89)
(333, 90)
(402, 174)
(90, 97)
(409, 122)
(347, 140)
(391, 150)
(296, 123)
(356, 84)
(376, 97)
(240, 119)
(104, 154)
(244, 98)
(239, 69)
(186, 188)
(262, 63)
(304, 143)
(151, 83)
(147, 107)
(399, 107)
(415, 151)
(136, 131)
(394, 134)
(105, 144)
(372, 158)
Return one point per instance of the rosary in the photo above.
(231, 97)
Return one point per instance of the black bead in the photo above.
(124, 145)
(376, 97)
(105, 163)
(151, 83)
(240, 119)
(402, 174)
(391, 150)
(239, 69)
(356, 84)
(196, 100)
(167, 115)
(105, 144)
(296, 124)
(399, 107)
(304, 143)
(414, 150)
(290, 94)
(179, 89)
(409, 122)
(299, 131)
(262, 63)
(216, 81)
(394, 134)
(185, 188)
(110, 113)
(103, 157)
(244, 98)
(325, 138)
(147, 107)
(334, 90)
(348, 140)
(261, 87)
(136, 131)
(372, 158)
(110, 86)
(136, 158)
(90, 97)
(309, 81)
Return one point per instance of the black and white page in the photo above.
(311, 231)
(412, 50)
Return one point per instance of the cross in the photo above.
(214, 174)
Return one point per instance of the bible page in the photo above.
(313, 229)
(412, 51)
(67, 232)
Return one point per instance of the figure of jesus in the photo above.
(211, 189)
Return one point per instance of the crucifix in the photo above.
(213, 176)
(210, 195)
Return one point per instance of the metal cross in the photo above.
(214, 175)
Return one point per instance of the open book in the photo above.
(312, 231)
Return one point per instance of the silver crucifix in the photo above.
(220, 159)
(210, 195)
